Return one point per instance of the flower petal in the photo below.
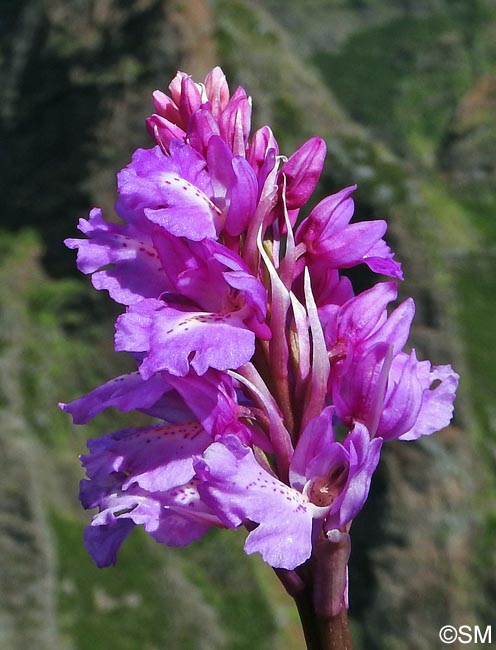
(437, 402)
(135, 271)
(302, 171)
(126, 393)
(103, 539)
(169, 191)
(157, 458)
(364, 455)
(238, 489)
(180, 340)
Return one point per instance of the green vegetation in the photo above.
(161, 598)
(402, 79)
(123, 607)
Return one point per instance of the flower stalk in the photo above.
(323, 632)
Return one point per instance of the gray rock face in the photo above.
(413, 573)
(28, 613)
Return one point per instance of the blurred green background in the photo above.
(404, 91)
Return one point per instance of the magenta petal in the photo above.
(403, 397)
(170, 408)
(262, 154)
(329, 216)
(349, 247)
(436, 411)
(157, 458)
(175, 517)
(163, 131)
(235, 122)
(176, 340)
(103, 540)
(215, 341)
(317, 438)
(164, 105)
(176, 86)
(358, 393)
(134, 328)
(302, 171)
(242, 197)
(201, 128)
(284, 542)
(192, 272)
(239, 490)
(126, 393)
(363, 314)
(211, 397)
(191, 216)
(380, 260)
(217, 90)
(184, 518)
(168, 190)
(330, 288)
(90, 260)
(253, 290)
(364, 455)
(396, 329)
(219, 159)
(190, 99)
(134, 269)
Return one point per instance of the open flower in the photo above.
(211, 322)
(144, 477)
(373, 381)
(329, 482)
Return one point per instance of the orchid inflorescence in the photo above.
(272, 384)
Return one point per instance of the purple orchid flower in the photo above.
(330, 240)
(300, 173)
(126, 393)
(130, 266)
(329, 482)
(221, 335)
(373, 381)
(249, 343)
(144, 477)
